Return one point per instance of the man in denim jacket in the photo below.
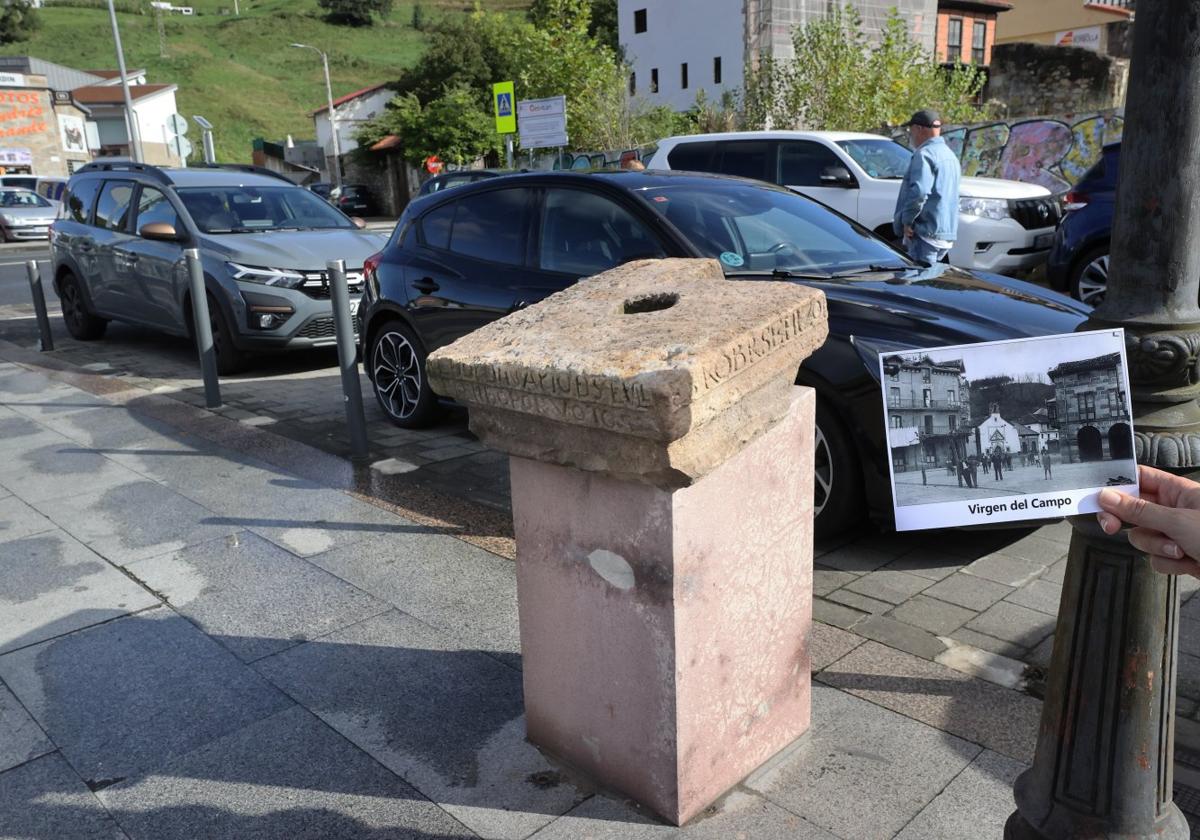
(927, 207)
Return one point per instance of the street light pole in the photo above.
(135, 140)
(333, 129)
(1104, 763)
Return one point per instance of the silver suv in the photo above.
(117, 252)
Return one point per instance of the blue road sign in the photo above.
(504, 105)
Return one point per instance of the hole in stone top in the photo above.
(650, 303)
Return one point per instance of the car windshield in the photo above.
(880, 158)
(752, 229)
(255, 209)
(21, 198)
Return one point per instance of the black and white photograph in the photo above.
(1008, 430)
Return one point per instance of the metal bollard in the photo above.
(203, 329)
(39, 304)
(347, 351)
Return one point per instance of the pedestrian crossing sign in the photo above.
(506, 116)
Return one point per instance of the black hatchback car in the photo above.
(460, 259)
(1078, 261)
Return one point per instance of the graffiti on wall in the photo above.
(1049, 151)
(585, 160)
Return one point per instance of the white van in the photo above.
(1003, 226)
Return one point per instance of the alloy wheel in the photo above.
(397, 374)
(72, 305)
(1093, 281)
(823, 470)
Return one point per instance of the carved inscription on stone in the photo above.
(633, 421)
(584, 388)
(744, 353)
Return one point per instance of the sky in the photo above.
(1035, 355)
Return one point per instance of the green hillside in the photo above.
(239, 72)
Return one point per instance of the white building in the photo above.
(997, 434)
(153, 106)
(350, 112)
(679, 47)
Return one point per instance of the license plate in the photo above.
(1043, 240)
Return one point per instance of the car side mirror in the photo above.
(837, 176)
(161, 231)
(359, 222)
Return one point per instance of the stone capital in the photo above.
(657, 371)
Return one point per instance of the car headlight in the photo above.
(988, 208)
(267, 276)
(871, 349)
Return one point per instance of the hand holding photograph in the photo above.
(1002, 431)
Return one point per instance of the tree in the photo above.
(840, 80)
(354, 12)
(453, 127)
(17, 21)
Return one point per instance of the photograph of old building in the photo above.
(928, 407)
(1092, 408)
(941, 454)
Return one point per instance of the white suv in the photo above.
(1003, 225)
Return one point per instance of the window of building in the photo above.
(633, 84)
(950, 397)
(112, 210)
(639, 21)
(654, 80)
(894, 397)
(925, 374)
(894, 373)
(683, 80)
(1086, 404)
(978, 42)
(954, 39)
(928, 424)
(897, 421)
(717, 70)
(953, 423)
(491, 226)
(927, 395)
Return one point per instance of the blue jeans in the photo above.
(923, 252)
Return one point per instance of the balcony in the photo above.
(911, 404)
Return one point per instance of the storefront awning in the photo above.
(905, 436)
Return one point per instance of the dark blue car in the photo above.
(1078, 261)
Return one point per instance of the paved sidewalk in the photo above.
(199, 641)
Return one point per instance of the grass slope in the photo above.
(239, 72)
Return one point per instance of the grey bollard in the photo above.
(39, 304)
(347, 361)
(203, 329)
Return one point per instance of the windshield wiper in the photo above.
(783, 274)
(874, 268)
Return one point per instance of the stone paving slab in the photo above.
(44, 799)
(938, 617)
(862, 771)
(131, 522)
(125, 697)
(21, 739)
(60, 470)
(447, 720)
(18, 520)
(1013, 623)
(740, 815)
(998, 718)
(975, 805)
(968, 591)
(53, 585)
(288, 775)
(828, 644)
(252, 596)
(465, 592)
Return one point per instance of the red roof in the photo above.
(389, 142)
(112, 94)
(342, 100)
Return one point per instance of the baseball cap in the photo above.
(926, 118)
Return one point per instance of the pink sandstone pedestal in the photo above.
(662, 482)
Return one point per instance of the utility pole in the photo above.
(1104, 764)
(336, 169)
(162, 32)
(135, 140)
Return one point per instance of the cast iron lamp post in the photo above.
(1105, 752)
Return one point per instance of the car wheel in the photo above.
(81, 323)
(1090, 279)
(838, 494)
(230, 360)
(398, 374)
